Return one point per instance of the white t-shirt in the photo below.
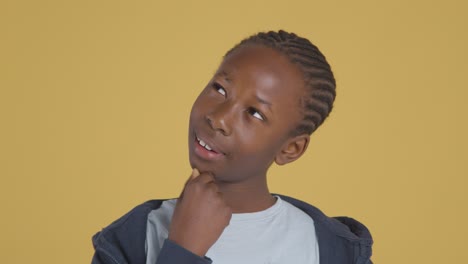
(279, 234)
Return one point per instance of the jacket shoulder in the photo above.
(124, 239)
(341, 239)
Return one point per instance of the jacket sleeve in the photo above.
(105, 252)
(172, 253)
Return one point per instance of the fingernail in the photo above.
(195, 173)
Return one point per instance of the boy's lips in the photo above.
(206, 148)
(205, 145)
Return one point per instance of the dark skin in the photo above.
(245, 115)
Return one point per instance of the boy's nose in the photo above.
(219, 120)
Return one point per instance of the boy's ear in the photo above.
(292, 149)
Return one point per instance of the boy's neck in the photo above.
(247, 198)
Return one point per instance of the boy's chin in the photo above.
(201, 167)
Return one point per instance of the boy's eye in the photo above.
(219, 89)
(222, 91)
(255, 113)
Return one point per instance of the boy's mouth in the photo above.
(205, 145)
(207, 151)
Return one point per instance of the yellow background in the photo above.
(95, 97)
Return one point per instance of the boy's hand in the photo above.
(200, 216)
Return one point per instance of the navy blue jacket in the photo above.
(341, 240)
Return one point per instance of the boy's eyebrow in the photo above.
(263, 101)
(224, 74)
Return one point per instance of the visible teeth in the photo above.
(203, 144)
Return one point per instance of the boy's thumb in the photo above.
(195, 173)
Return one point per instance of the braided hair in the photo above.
(318, 76)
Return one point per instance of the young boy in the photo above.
(269, 94)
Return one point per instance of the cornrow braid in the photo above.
(318, 76)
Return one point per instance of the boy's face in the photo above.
(245, 114)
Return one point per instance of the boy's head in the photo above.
(319, 82)
(269, 94)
